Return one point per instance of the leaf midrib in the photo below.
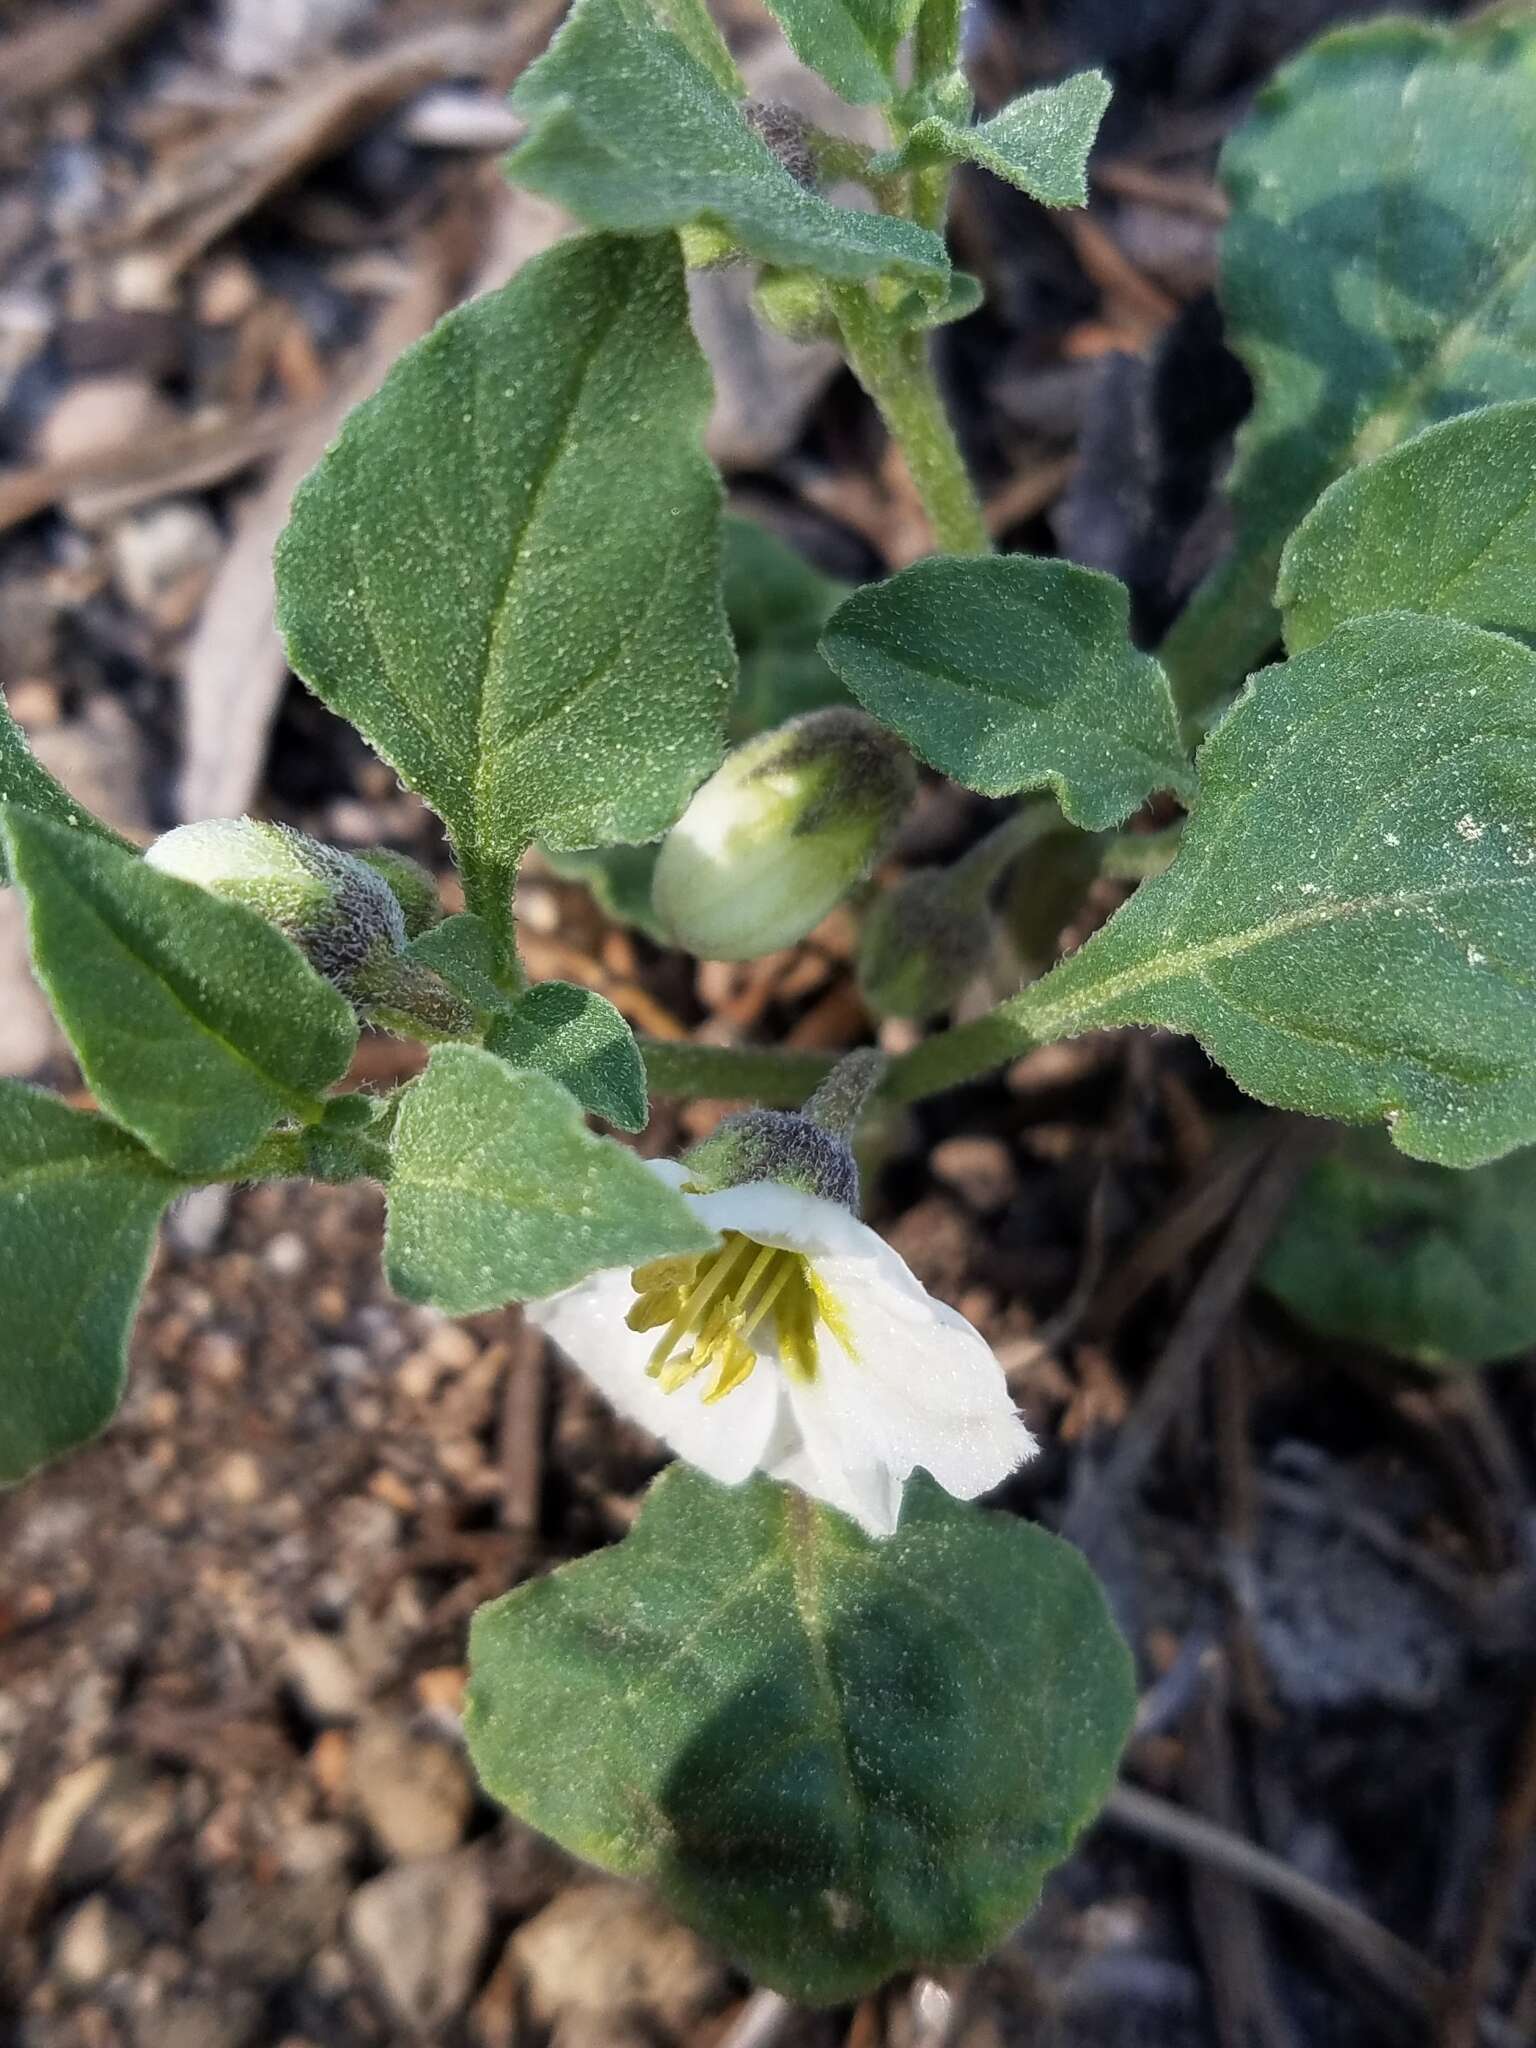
(1195, 958)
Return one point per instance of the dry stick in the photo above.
(1513, 1841)
(1227, 1923)
(1393, 1964)
(1205, 1315)
(54, 53)
(1195, 1217)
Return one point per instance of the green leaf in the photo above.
(835, 1757)
(24, 780)
(500, 1193)
(462, 952)
(1444, 524)
(196, 1024)
(1350, 924)
(1011, 673)
(1039, 142)
(79, 1202)
(1378, 273)
(1433, 1265)
(634, 135)
(579, 1039)
(852, 43)
(505, 572)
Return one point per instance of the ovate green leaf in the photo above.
(1433, 1265)
(1039, 142)
(196, 1024)
(634, 135)
(79, 1202)
(579, 1039)
(1012, 673)
(24, 780)
(1379, 273)
(500, 1193)
(1350, 924)
(506, 570)
(852, 43)
(1445, 524)
(835, 1757)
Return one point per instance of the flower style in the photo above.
(801, 1347)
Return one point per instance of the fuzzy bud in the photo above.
(780, 833)
(787, 133)
(339, 913)
(414, 887)
(920, 946)
(810, 1148)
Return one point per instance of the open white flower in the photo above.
(802, 1347)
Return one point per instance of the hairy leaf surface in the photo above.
(1012, 673)
(79, 1203)
(1039, 142)
(852, 43)
(24, 780)
(579, 1039)
(634, 135)
(833, 1756)
(1444, 524)
(196, 1024)
(1350, 924)
(500, 1193)
(505, 572)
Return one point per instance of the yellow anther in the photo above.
(650, 1311)
(711, 1306)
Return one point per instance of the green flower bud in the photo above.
(780, 833)
(920, 947)
(339, 913)
(794, 304)
(925, 940)
(810, 1148)
(338, 909)
(415, 887)
(788, 134)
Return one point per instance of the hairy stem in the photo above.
(488, 892)
(936, 43)
(768, 1075)
(893, 365)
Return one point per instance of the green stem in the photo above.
(893, 366)
(975, 872)
(936, 43)
(968, 1051)
(488, 892)
(768, 1075)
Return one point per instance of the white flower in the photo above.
(803, 1348)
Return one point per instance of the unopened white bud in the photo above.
(780, 833)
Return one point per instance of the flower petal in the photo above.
(905, 1381)
(726, 1440)
(771, 1213)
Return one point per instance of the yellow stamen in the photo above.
(711, 1307)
